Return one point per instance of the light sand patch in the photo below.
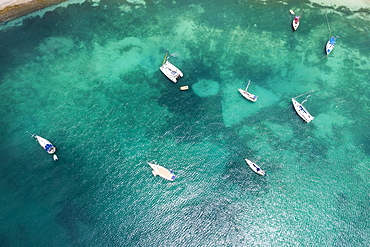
(185, 28)
(125, 8)
(362, 169)
(206, 88)
(351, 4)
(325, 122)
(283, 132)
(235, 108)
(137, 2)
(57, 45)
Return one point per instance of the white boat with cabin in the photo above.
(255, 168)
(301, 111)
(46, 145)
(331, 43)
(295, 22)
(169, 70)
(247, 95)
(161, 171)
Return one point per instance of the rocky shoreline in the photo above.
(10, 10)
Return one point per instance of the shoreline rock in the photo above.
(10, 10)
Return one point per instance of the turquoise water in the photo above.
(86, 78)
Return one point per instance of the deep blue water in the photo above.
(87, 78)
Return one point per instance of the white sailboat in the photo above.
(161, 171)
(247, 95)
(301, 111)
(46, 145)
(255, 168)
(331, 43)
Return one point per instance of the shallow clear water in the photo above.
(86, 77)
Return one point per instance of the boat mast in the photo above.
(246, 89)
(32, 135)
(327, 21)
(165, 57)
(305, 99)
(303, 94)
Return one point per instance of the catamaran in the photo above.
(255, 168)
(46, 145)
(161, 171)
(170, 70)
(330, 44)
(247, 95)
(301, 111)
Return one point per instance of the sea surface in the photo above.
(86, 77)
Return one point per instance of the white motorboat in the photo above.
(301, 111)
(169, 70)
(46, 145)
(247, 95)
(295, 23)
(255, 168)
(161, 171)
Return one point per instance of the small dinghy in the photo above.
(330, 44)
(161, 171)
(46, 145)
(169, 70)
(247, 95)
(255, 168)
(301, 111)
(184, 88)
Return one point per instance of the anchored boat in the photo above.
(255, 168)
(295, 23)
(301, 111)
(46, 145)
(297, 18)
(161, 171)
(247, 95)
(170, 70)
(330, 44)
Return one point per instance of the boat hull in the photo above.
(295, 23)
(248, 96)
(255, 168)
(171, 71)
(162, 172)
(46, 145)
(330, 45)
(301, 111)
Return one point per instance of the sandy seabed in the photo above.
(352, 5)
